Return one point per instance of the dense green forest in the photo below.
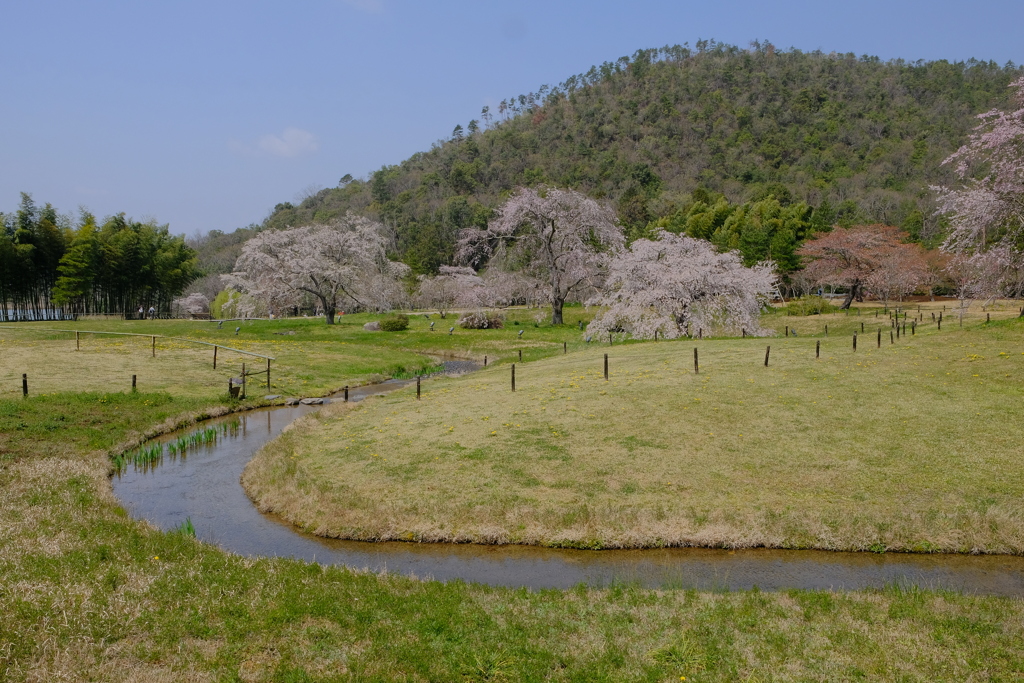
(54, 266)
(775, 142)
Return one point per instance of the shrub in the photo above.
(810, 305)
(482, 320)
(395, 323)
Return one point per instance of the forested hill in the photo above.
(855, 138)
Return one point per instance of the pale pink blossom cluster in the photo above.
(988, 211)
(452, 287)
(195, 303)
(560, 237)
(341, 264)
(677, 286)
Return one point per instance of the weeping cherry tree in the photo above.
(676, 285)
(559, 236)
(341, 263)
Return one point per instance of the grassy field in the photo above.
(311, 358)
(87, 593)
(913, 446)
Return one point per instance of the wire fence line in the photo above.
(138, 334)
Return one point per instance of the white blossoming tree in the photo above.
(559, 236)
(452, 287)
(676, 285)
(341, 263)
(988, 211)
(195, 303)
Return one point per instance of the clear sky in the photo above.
(205, 114)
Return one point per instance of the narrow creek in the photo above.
(203, 485)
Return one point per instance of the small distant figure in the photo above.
(820, 291)
(450, 330)
(142, 312)
(520, 333)
(588, 340)
(431, 327)
(427, 316)
(581, 325)
(793, 332)
(237, 330)
(152, 313)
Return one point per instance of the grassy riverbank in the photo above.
(87, 593)
(913, 446)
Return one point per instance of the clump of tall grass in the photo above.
(402, 373)
(185, 528)
(150, 455)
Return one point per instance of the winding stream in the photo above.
(203, 485)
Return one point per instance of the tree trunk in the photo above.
(556, 310)
(329, 307)
(851, 295)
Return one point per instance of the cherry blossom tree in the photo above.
(559, 236)
(676, 285)
(503, 289)
(452, 287)
(988, 211)
(900, 270)
(196, 303)
(343, 262)
(863, 257)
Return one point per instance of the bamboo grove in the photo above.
(53, 266)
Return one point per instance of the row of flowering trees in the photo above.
(545, 245)
(556, 245)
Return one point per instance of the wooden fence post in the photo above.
(817, 349)
(855, 342)
(485, 361)
(243, 379)
(606, 367)
(696, 365)
(520, 355)
(826, 330)
(215, 357)
(767, 352)
(78, 346)
(417, 387)
(565, 348)
(744, 333)
(24, 385)
(514, 375)
(879, 337)
(787, 330)
(891, 341)
(133, 383)
(154, 347)
(346, 393)
(268, 374)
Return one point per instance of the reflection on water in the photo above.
(203, 485)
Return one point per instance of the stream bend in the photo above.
(203, 485)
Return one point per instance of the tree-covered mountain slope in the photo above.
(855, 139)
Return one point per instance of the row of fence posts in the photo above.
(894, 334)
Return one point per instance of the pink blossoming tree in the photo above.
(559, 236)
(343, 262)
(676, 285)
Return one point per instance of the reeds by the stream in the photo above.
(150, 455)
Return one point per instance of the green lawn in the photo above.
(911, 446)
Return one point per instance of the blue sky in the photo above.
(205, 114)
